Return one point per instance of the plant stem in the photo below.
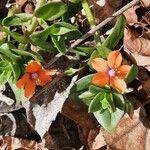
(91, 21)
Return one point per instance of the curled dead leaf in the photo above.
(12, 143)
(138, 48)
(96, 139)
(131, 15)
(146, 3)
(136, 44)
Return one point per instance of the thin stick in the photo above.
(117, 13)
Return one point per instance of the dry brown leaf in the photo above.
(131, 15)
(96, 139)
(138, 48)
(136, 44)
(146, 3)
(12, 143)
(131, 134)
(145, 80)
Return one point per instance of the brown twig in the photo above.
(103, 23)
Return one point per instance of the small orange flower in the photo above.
(110, 72)
(35, 75)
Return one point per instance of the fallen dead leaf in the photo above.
(131, 134)
(138, 48)
(146, 3)
(12, 143)
(131, 15)
(136, 44)
(96, 139)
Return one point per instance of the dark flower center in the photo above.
(34, 76)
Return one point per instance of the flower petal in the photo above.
(44, 77)
(21, 82)
(114, 59)
(52, 72)
(118, 84)
(33, 67)
(122, 71)
(30, 88)
(99, 64)
(100, 79)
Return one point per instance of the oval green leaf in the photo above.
(117, 33)
(51, 11)
(17, 19)
(132, 74)
(95, 104)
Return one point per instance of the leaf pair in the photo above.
(59, 33)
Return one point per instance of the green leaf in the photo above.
(59, 43)
(4, 76)
(86, 95)
(105, 104)
(17, 19)
(16, 70)
(61, 28)
(3, 65)
(109, 120)
(18, 37)
(19, 93)
(100, 52)
(51, 11)
(75, 1)
(5, 49)
(80, 86)
(40, 39)
(73, 9)
(83, 83)
(129, 108)
(96, 89)
(70, 71)
(95, 104)
(87, 51)
(95, 54)
(132, 74)
(109, 98)
(117, 33)
(32, 54)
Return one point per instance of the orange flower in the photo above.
(35, 75)
(110, 72)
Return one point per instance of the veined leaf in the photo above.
(51, 11)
